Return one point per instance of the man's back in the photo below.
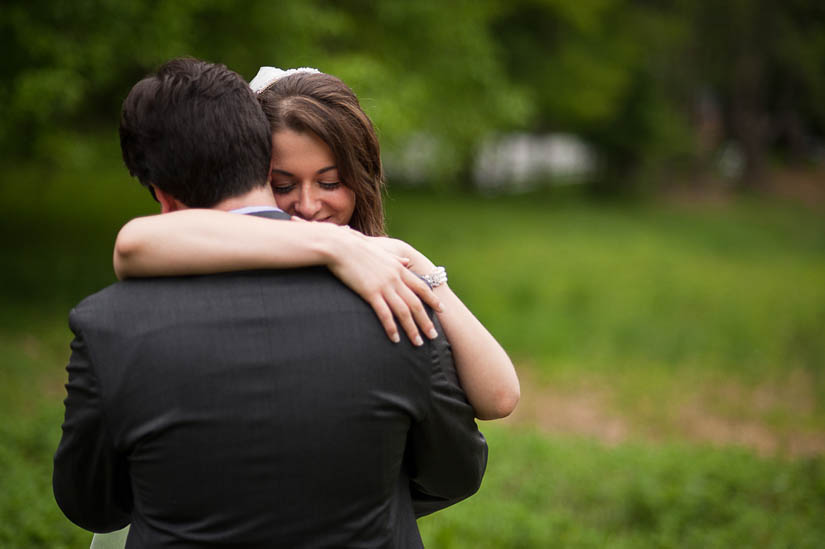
(257, 409)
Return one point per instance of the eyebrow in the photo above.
(290, 174)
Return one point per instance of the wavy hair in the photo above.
(324, 105)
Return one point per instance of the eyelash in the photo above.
(285, 189)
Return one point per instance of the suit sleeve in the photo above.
(449, 454)
(90, 479)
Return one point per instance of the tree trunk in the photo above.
(751, 123)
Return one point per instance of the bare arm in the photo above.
(486, 372)
(200, 241)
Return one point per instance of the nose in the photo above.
(308, 204)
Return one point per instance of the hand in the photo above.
(416, 261)
(382, 279)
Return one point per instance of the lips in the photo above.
(316, 219)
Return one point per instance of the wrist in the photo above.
(436, 277)
(420, 264)
(328, 241)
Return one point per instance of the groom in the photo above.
(248, 409)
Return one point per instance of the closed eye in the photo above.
(283, 188)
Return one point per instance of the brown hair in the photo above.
(324, 105)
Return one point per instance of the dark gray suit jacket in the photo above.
(257, 409)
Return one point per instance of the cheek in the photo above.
(346, 202)
(286, 202)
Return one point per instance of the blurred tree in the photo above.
(67, 63)
(444, 77)
(766, 61)
(419, 69)
(424, 72)
(602, 69)
(435, 76)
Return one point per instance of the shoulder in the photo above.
(134, 289)
(139, 294)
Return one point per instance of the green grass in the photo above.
(660, 305)
(738, 287)
(569, 492)
(656, 297)
(31, 394)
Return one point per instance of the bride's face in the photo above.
(305, 179)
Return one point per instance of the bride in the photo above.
(326, 167)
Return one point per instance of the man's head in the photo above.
(195, 131)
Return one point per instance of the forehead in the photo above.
(291, 147)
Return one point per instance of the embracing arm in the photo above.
(486, 372)
(199, 241)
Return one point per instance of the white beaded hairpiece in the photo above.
(267, 75)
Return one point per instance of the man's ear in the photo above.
(168, 203)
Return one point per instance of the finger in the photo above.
(419, 313)
(382, 310)
(423, 291)
(402, 312)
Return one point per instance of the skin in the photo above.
(305, 180)
(381, 270)
(200, 241)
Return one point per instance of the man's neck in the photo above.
(260, 196)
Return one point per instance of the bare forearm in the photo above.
(486, 372)
(207, 241)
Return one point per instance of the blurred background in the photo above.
(630, 195)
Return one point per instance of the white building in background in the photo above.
(519, 162)
(417, 161)
(506, 163)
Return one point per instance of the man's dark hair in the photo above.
(195, 130)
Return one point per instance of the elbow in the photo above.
(96, 514)
(502, 405)
(508, 401)
(127, 246)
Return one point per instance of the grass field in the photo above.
(672, 358)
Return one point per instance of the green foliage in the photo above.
(643, 294)
(441, 79)
(565, 492)
(604, 70)
(736, 287)
(60, 225)
(446, 83)
(70, 63)
(30, 375)
(763, 61)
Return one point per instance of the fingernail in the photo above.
(418, 341)
(395, 338)
(432, 334)
(440, 307)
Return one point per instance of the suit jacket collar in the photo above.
(271, 214)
